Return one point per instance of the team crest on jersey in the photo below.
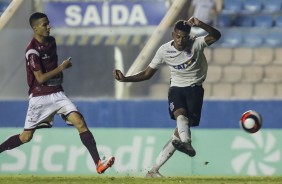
(45, 56)
(185, 64)
(171, 106)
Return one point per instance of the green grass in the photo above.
(29, 179)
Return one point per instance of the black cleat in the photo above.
(184, 147)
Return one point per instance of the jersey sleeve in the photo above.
(157, 61)
(200, 43)
(33, 59)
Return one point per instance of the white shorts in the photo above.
(41, 110)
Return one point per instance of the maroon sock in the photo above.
(90, 143)
(11, 143)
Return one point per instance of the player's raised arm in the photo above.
(43, 77)
(140, 76)
(213, 34)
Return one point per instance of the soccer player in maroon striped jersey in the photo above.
(46, 95)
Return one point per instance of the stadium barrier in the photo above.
(135, 132)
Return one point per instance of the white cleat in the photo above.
(154, 174)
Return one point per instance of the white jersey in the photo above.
(186, 68)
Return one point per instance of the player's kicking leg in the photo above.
(89, 142)
(184, 144)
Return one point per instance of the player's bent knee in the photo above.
(73, 117)
(81, 125)
(180, 112)
(25, 138)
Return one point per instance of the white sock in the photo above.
(164, 155)
(174, 137)
(183, 128)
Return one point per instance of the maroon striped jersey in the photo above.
(42, 57)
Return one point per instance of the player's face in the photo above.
(42, 27)
(180, 38)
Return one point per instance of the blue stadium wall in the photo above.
(151, 113)
(136, 131)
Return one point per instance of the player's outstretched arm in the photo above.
(43, 77)
(213, 34)
(141, 76)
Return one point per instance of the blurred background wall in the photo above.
(244, 64)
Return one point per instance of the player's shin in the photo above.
(89, 142)
(11, 143)
(164, 155)
(183, 128)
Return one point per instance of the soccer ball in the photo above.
(251, 121)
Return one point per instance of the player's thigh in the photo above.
(67, 109)
(39, 110)
(194, 102)
(64, 104)
(177, 104)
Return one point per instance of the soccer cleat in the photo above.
(103, 165)
(184, 147)
(154, 174)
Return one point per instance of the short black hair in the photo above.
(182, 26)
(35, 16)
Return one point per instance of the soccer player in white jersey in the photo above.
(185, 57)
(46, 94)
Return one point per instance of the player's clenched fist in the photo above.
(118, 75)
(193, 21)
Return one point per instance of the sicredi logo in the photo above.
(61, 158)
(258, 154)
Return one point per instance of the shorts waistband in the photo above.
(193, 85)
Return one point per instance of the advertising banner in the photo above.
(219, 152)
(105, 14)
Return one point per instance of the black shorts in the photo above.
(189, 98)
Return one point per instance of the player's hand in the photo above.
(193, 22)
(66, 63)
(118, 75)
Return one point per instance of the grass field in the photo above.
(29, 179)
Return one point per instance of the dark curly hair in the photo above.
(35, 16)
(182, 26)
